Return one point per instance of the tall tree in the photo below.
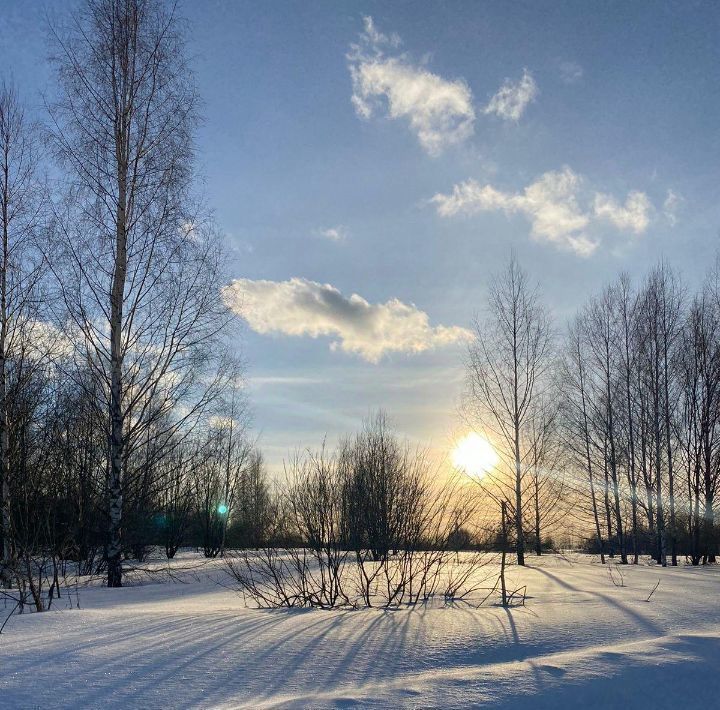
(139, 278)
(661, 307)
(602, 336)
(507, 364)
(576, 416)
(625, 300)
(21, 212)
(698, 365)
(542, 462)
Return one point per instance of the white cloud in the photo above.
(554, 206)
(671, 205)
(571, 72)
(334, 234)
(633, 216)
(512, 98)
(299, 307)
(440, 111)
(42, 339)
(550, 203)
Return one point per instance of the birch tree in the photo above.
(602, 337)
(625, 300)
(661, 308)
(699, 373)
(507, 365)
(579, 438)
(544, 470)
(137, 275)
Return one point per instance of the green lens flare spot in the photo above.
(222, 509)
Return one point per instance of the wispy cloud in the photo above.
(513, 97)
(300, 307)
(334, 234)
(633, 216)
(556, 206)
(571, 72)
(671, 205)
(439, 111)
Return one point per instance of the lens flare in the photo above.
(222, 509)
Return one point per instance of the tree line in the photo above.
(612, 425)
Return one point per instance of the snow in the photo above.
(580, 641)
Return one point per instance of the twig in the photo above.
(653, 591)
(7, 618)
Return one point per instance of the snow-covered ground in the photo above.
(580, 641)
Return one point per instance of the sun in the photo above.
(474, 455)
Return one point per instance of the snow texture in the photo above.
(580, 641)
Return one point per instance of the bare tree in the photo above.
(138, 276)
(508, 361)
(698, 367)
(626, 304)
(579, 436)
(176, 497)
(218, 478)
(381, 491)
(604, 357)
(254, 511)
(634, 394)
(661, 305)
(21, 213)
(543, 465)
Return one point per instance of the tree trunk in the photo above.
(503, 512)
(538, 541)
(631, 435)
(661, 539)
(117, 434)
(5, 520)
(608, 512)
(671, 483)
(518, 500)
(588, 457)
(696, 556)
(613, 458)
(597, 520)
(709, 520)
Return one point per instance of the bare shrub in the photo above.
(368, 526)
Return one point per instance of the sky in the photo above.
(373, 164)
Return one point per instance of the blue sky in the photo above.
(599, 153)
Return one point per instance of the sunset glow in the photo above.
(474, 455)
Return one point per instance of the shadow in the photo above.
(624, 609)
(204, 649)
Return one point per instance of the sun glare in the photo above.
(474, 455)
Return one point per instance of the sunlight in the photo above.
(474, 455)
